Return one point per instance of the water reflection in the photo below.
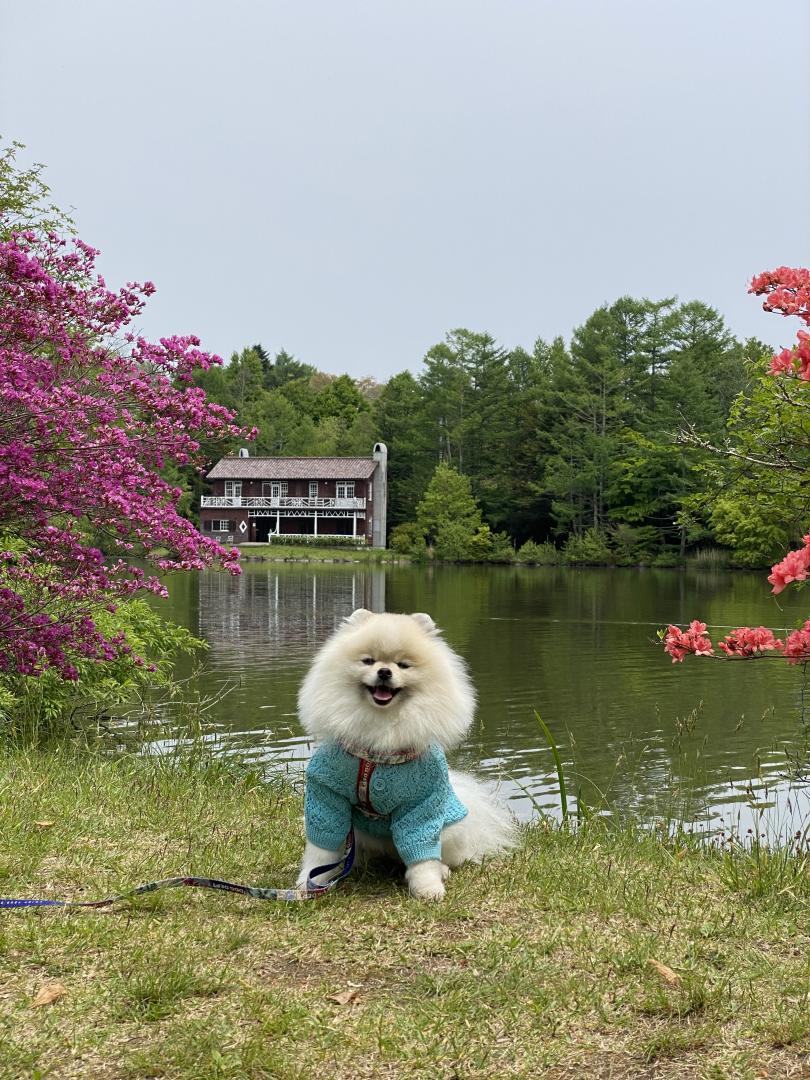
(698, 741)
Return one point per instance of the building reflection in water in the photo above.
(267, 614)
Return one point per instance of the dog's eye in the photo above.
(403, 664)
(368, 660)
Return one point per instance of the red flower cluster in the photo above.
(746, 641)
(750, 641)
(787, 291)
(797, 646)
(794, 567)
(678, 643)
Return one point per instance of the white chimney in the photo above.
(379, 487)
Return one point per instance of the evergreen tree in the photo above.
(245, 381)
(587, 400)
(448, 501)
(285, 369)
(399, 418)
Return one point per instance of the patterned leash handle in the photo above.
(310, 891)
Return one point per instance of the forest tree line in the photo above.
(602, 441)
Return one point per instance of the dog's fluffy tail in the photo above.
(487, 829)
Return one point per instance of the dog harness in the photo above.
(366, 766)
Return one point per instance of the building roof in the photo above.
(292, 468)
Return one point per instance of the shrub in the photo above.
(633, 544)
(407, 539)
(588, 548)
(149, 647)
(316, 541)
(534, 554)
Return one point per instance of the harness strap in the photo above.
(365, 770)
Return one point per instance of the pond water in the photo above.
(706, 743)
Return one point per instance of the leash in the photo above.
(310, 891)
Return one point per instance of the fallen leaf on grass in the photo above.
(666, 973)
(48, 994)
(44, 824)
(344, 997)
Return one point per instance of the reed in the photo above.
(555, 753)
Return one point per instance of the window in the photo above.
(224, 526)
(313, 489)
(275, 489)
(233, 489)
(346, 490)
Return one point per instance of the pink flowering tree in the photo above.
(90, 416)
(786, 291)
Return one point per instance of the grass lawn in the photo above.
(593, 954)
(317, 553)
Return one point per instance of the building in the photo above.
(254, 499)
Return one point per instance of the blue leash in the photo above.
(310, 891)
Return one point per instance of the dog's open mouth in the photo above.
(382, 694)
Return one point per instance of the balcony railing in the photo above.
(252, 502)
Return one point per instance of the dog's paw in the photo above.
(314, 857)
(426, 879)
(445, 871)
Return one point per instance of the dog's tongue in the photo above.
(382, 693)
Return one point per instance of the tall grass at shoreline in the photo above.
(596, 951)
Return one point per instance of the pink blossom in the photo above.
(786, 290)
(794, 567)
(678, 643)
(90, 413)
(748, 641)
(797, 646)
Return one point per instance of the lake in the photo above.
(708, 743)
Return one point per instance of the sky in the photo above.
(351, 180)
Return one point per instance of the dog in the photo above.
(385, 698)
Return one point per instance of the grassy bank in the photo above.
(603, 954)
(317, 553)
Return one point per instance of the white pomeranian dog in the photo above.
(384, 699)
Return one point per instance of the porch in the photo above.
(278, 502)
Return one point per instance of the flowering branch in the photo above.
(786, 291)
(90, 415)
(746, 642)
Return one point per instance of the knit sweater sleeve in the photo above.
(417, 824)
(327, 813)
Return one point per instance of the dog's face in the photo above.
(387, 682)
(390, 657)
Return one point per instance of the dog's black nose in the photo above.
(384, 673)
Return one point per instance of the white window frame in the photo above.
(313, 489)
(275, 489)
(345, 489)
(233, 489)
(223, 525)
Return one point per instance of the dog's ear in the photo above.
(357, 617)
(425, 621)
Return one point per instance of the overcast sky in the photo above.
(351, 180)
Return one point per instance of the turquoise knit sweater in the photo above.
(414, 798)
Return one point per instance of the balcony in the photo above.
(235, 502)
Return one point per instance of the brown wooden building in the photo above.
(254, 499)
